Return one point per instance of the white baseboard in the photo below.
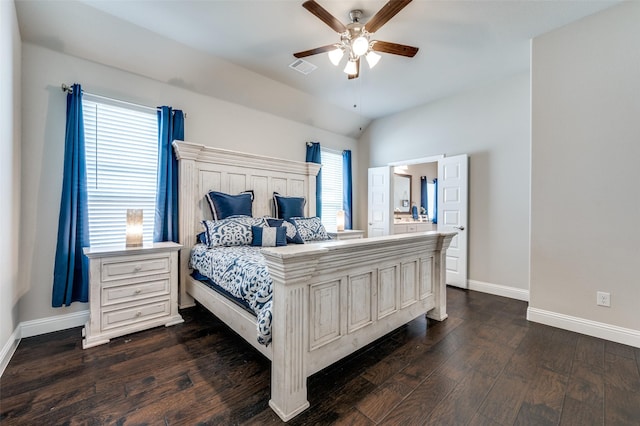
(51, 324)
(9, 349)
(626, 336)
(37, 327)
(499, 290)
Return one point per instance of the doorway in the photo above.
(451, 212)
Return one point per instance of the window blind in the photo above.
(121, 145)
(331, 187)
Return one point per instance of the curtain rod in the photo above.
(324, 148)
(67, 88)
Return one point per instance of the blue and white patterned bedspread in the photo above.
(242, 271)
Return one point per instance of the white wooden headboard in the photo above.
(204, 168)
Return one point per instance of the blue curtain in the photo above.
(170, 128)
(313, 156)
(435, 201)
(424, 198)
(347, 195)
(71, 273)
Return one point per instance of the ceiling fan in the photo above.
(355, 37)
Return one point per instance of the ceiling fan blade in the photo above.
(395, 48)
(324, 16)
(357, 74)
(387, 12)
(315, 51)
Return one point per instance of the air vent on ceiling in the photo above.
(302, 66)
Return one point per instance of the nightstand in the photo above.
(131, 289)
(347, 234)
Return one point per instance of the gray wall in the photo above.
(491, 124)
(585, 168)
(209, 121)
(10, 283)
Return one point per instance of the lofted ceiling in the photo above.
(463, 44)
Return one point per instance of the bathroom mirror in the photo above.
(401, 193)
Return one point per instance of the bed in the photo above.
(329, 298)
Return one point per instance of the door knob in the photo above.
(459, 228)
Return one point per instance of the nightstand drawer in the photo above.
(135, 291)
(124, 317)
(134, 266)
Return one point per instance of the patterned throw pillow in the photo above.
(232, 231)
(310, 228)
(268, 236)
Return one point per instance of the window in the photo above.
(331, 187)
(431, 197)
(121, 143)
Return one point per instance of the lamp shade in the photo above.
(351, 68)
(134, 228)
(340, 220)
(372, 58)
(335, 56)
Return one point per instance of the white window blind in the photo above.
(331, 187)
(121, 143)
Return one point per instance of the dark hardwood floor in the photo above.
(484, 365)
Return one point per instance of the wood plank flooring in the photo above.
(484, 365)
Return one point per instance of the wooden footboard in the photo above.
(334, 298)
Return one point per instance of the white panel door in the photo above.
(380, 196)
(453, 189)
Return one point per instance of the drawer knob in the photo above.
(137, 268)
(138, 313)
(138, 291)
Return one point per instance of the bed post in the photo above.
(290, 275)
(439, 313)
(186, 153)
(312, 173)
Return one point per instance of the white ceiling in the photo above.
(462, 44)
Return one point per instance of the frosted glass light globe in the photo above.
(360, 45)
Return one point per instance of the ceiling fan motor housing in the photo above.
(355, 15)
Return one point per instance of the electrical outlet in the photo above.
(603, 299)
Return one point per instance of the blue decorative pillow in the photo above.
(224, 205)
(288, 207)
(269, 236)
(310, 228)
(273, 222)
(232, 231)
(293, 237)
(202, 238)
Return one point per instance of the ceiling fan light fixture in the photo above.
(335, 56)
(355, 37)
(360, 46)
(372, 58)
(351, 68)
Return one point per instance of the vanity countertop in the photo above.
(409, 220)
